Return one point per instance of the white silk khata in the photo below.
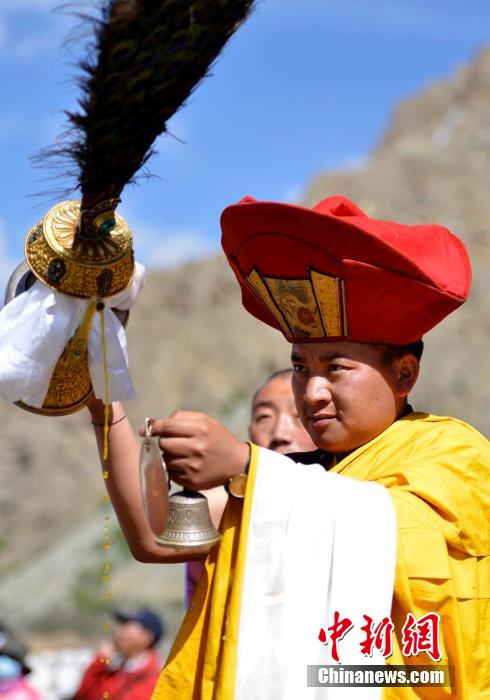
(310, 553)
(35, 328)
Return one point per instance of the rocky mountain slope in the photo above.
(192, 346)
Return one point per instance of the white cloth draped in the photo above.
(318, 543)
(35, 328)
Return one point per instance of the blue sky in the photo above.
(304, 85)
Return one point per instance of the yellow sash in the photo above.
(202, 661)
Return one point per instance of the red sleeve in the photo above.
(90, 686)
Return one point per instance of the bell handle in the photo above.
(155, 483)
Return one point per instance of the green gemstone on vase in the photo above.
(107, 226)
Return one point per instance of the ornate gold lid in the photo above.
(95, 261)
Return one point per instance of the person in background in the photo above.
(274, 424)
(14, 669)
(128, 666)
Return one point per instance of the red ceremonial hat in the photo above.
(332, 273)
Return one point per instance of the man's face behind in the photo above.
(132, 639)
(275, 422)
(346, 394)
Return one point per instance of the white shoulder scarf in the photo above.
(317, 543)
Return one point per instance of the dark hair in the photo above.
(391, 352)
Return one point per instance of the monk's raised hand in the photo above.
(198, 450)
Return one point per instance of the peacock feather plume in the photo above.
(145, 60)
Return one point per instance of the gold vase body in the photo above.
(70, 387)
(77, 265)
(83, 266)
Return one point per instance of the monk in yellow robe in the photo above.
(354, 296)
(436, 470)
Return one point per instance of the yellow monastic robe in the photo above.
(437, 472)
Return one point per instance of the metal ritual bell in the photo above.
(189, 523)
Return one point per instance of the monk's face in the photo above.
(346, 393)
(275, 422)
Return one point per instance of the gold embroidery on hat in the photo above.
(345, 327)
(296, 300)
(256, 282)
(329, 300)
(304, 308)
